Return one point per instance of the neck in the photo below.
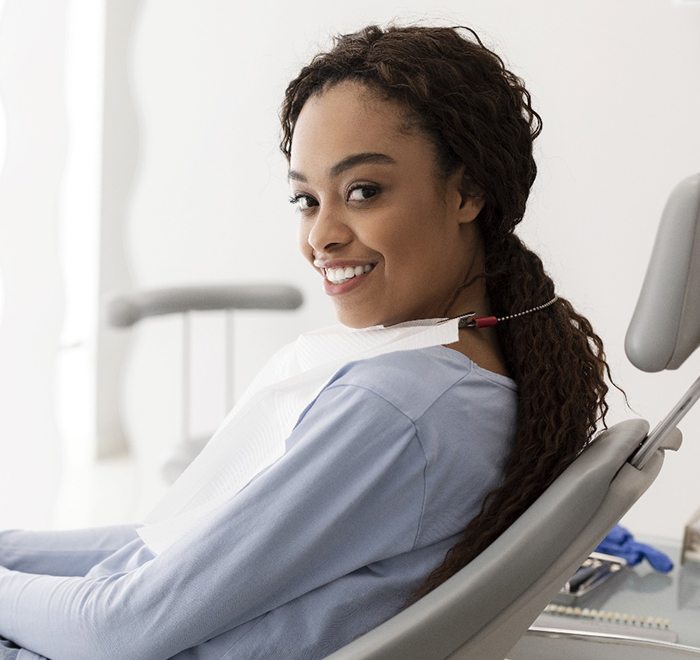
(470, 294)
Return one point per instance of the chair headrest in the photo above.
(665, 326)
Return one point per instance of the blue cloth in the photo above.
(381, 474)
(621, 543)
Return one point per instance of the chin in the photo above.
(356, 321)
(355, 324)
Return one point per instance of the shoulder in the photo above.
(350, 415)
(409, 380)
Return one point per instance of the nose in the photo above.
(328, 231)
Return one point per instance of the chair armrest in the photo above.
(125, 310)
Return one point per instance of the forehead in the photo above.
(349, 118)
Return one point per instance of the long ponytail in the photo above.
(558, 363)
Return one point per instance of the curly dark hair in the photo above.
(479, 114)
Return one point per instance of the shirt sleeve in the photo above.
(348, 492)
(62, 551)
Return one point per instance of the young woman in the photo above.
(410, 163)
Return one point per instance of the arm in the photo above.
(348, 492)
(64, 551)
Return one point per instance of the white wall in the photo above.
(32, 43)
(80, 231)
(3, 148)
(612, 81)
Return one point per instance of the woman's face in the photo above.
(390, 241)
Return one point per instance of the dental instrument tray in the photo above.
(597, 569)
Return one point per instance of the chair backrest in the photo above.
(482, 611)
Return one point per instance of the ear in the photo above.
(468, 199)
(472, 203)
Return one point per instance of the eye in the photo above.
(364, 191)
(357, 193)
(301, 201)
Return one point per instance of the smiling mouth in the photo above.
(342, 275)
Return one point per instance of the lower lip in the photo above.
(339, 289)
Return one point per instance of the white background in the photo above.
(615, 84)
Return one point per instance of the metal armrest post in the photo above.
(653, 440)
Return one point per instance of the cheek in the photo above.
(407, 242)
(417, 260)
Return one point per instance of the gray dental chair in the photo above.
(482, 611)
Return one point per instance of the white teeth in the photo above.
(340, 275)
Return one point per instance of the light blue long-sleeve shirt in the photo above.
(381, 474)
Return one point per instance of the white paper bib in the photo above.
(253, 434)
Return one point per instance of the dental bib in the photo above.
(252, 436)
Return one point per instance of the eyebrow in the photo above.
(348, 162)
